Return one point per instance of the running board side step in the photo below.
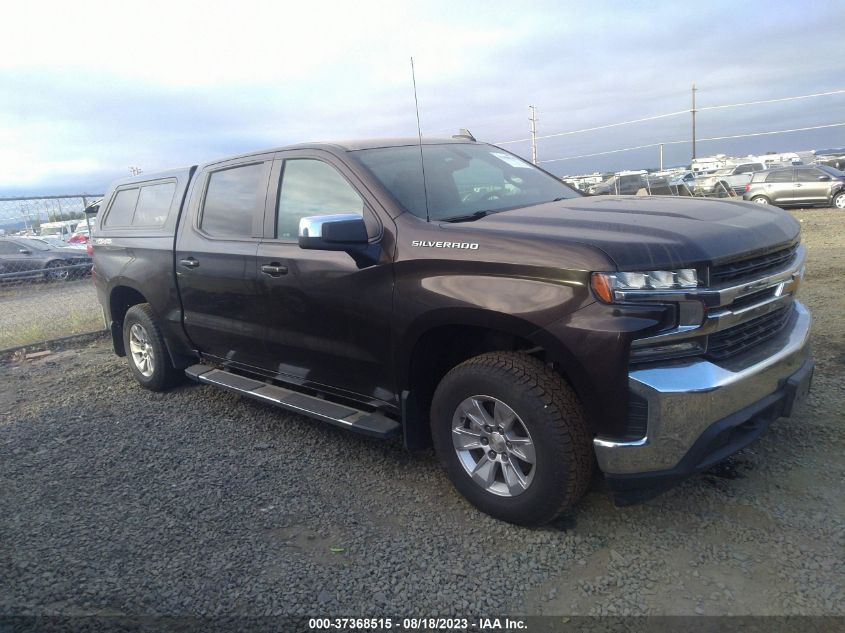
(372, 424)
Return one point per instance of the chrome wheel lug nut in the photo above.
(509, 445)
(491, 454)
(488, 428)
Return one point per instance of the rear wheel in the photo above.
(760, 199)
(57, 271)
(839, 200)
(146, 352)
(512, 437)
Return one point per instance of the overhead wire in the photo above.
(673, 114)
(679, 142)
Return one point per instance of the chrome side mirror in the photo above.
(340, 232)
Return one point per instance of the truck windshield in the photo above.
(461, 180)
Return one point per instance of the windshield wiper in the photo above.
(472, 216)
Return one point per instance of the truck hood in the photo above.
(652, 232)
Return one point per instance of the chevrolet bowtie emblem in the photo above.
(790, 286)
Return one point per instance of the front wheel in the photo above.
(146, 352)
(760, 200)
(512, 437)
(839, 200)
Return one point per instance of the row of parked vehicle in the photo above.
(799, 185)
(37, 258)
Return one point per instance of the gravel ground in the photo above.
(31, 312)
(119, 501)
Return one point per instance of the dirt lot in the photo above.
(118, 501)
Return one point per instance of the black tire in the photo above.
(547, 408)
(760, 200)
(160, 374)
(51, 274)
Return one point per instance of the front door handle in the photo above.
(274, 270)
(798, 184)
(189, 263)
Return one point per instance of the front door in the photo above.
(808, 188)
(216, 261)
(17, 258)
(327, 318)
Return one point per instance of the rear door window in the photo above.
(780, 176)
(232, 197)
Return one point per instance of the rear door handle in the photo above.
(274, 270)
(189, 263)
(798, 184)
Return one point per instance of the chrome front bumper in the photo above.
(686, 398)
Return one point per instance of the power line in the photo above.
(611, 151)
(748, 103)
(712, 138)
(798, 129)
(598, 127)
(671, 114)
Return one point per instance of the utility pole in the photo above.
(661, 157)
(693, 121)
(533, 128)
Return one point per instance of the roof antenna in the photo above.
(419, 133)
(464, 133)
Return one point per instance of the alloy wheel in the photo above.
(142, 351)
(493, 445)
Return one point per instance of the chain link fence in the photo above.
(46, 291)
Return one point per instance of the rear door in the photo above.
(808, 188)
(778, 186)
(327, 317)
(215, 263)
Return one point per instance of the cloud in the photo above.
(91, 88)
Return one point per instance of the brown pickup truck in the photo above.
(529, 332)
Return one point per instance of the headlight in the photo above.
(608, 286)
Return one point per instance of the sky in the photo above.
(92, 88)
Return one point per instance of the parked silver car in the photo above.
(807, 185)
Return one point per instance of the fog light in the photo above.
(671, 350)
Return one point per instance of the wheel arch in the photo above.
(430, 350)
(121, 298)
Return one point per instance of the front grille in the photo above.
(754, 298)
(751, 268)
(744, 336)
